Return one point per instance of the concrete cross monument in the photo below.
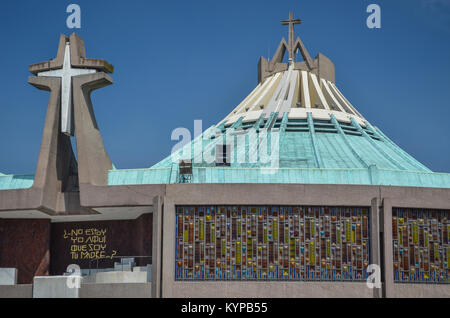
(267, 68)
(66, 73)
(70, 78)
(291, 22)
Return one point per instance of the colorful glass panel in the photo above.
(271, 243)
(421, 245)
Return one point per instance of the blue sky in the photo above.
(177, 61)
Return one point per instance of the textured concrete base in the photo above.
(420, 291)
(117, 277)
(8, 276)
(53, 287)
(268, 290)
(16, 291)
(137, 290)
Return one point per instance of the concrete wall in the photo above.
(266, 290)
(420, 291)
(380, 199)
(118, 277)
(16, 291)
(129, 290)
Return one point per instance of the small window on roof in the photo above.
(223, 155)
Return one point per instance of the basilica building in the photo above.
(293, 194)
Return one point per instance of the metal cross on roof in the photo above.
(66, 73)
(291, 22)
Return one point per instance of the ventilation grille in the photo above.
(301, 125)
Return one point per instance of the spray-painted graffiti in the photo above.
(87, 244)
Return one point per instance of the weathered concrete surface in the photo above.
(268, 290)
(16, 291)
(93, 161)
(56, 163)
(52, 64)
(420, 291)
(53, 287)
(117, 277)
(117, 196)
(412, 197)
(158, 258)
(388, 273)
(375, 256)
(8, 276)
(78, 56)
(260, 194)
(20, 200)
(132, 290)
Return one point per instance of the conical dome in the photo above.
(296, 126)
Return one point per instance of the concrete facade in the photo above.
(377, 198)
(17, 291)
(127, 290)
(98, 290)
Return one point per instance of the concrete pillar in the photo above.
(157, 248)
(375, 239)
(388, 265)
(168, 265)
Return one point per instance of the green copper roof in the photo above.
(372, 176)
(11, 182)
(310, 152)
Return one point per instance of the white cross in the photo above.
(66, 73)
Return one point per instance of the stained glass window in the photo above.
(271, 243)
(421, 244)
